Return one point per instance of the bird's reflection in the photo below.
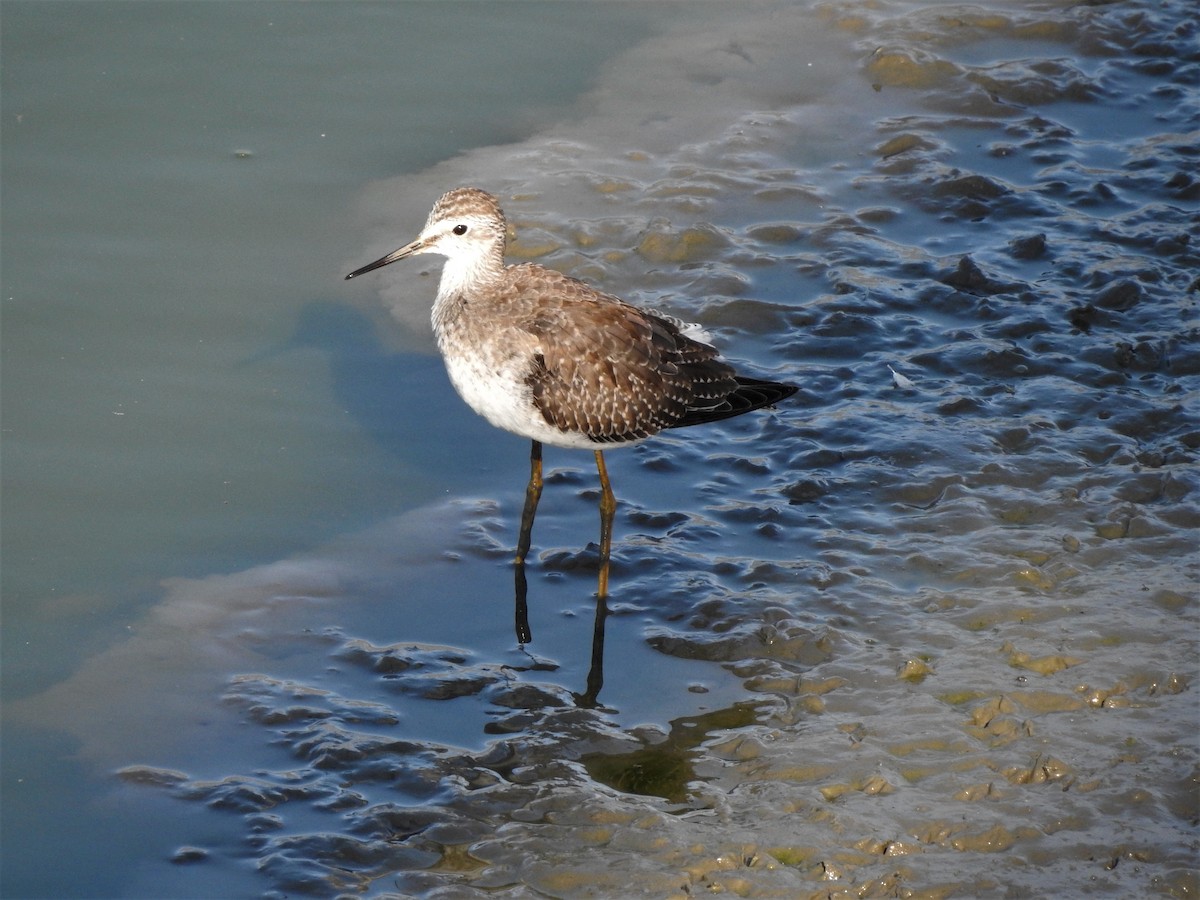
(595, 677)
(521, 605)
(589, 698)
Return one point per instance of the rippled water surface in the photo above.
(928, 629)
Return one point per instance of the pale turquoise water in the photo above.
(257, 604)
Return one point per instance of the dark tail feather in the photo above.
(750, 394)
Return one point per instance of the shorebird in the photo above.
(549, 358)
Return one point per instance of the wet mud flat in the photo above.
(955, 578)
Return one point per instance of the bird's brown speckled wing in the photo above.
(607, 369)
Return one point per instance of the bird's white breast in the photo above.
(494, 385)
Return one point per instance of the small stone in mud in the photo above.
(914, 670)
(877, 214)
(969, 277)
(896, 68)
(959, 406)
(152, 776)
(902, 143)
(1173, 245)
(1184, 186)
(1031, 247)
(1043, 665)
(1142, 356)
(1120, 295)
(876, 785)
(805, 491)
(1083, 317)
(994, 840)
(776, 234)
(688, 245)
(185, 855)
(976, 187)
(976, 792)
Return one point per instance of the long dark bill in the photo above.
(406, 250)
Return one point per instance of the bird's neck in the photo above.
(468, 275)
(465, 278)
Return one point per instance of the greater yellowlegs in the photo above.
(549, 358)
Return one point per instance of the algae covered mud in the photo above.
(953, 583)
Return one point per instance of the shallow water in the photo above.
(930, 628)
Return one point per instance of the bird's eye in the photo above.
(460, 229)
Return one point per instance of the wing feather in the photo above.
(615, 372)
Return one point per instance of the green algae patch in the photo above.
(665, 769)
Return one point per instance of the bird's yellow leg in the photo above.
(533, 493)
(608, 506)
